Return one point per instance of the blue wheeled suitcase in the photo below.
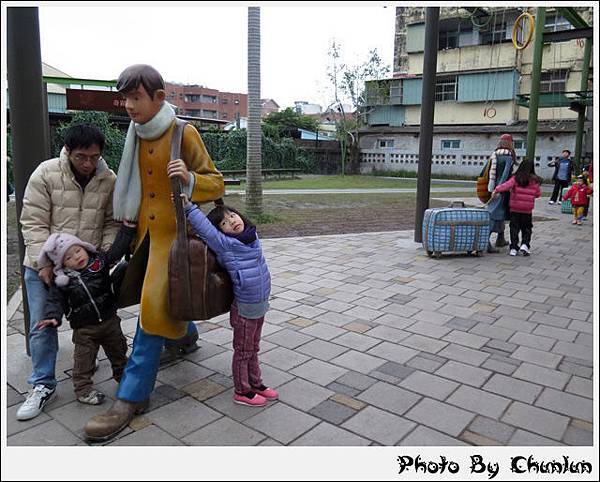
(455, 229)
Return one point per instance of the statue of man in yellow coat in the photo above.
(143, 194)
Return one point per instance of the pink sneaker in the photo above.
(250, 399)
(266, 392)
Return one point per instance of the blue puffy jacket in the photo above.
(244, 262)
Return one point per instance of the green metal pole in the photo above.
(585, 71)
(536, 73)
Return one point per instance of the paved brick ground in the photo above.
(370, 342)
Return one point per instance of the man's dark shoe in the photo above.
(104, 427)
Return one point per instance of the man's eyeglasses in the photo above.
(82, 157)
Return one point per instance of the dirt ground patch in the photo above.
(295, 215)
(312, 215)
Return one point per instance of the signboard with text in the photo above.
(99, 100)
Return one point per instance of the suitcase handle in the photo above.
(459, 203)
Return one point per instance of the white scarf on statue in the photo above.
(128, 187)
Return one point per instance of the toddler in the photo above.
(578, 193)
(82, 291)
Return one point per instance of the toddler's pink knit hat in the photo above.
(54, 250)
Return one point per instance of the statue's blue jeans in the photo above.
(141, 370)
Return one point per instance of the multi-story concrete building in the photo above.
(199, 101)
(306, 108)
(479, 77)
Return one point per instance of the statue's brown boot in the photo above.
(104, 427)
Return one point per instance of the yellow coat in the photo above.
(157, 221)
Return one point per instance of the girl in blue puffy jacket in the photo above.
(233, 239)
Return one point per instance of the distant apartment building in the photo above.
(267, 106)
(306, 108)
(480, 75)
(202, 102)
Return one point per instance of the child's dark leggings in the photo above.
(246, 341)
(520, 222)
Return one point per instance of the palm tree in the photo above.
(254, 133)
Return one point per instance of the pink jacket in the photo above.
(522, 199)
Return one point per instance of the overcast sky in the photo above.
(208, 45)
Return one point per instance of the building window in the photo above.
(450, 144)
(192, 98)
(445, 88)
(236, 102)
(385, 143)
(520, 144)
(495, 34)
(556, 23)
(194, 112)
(448, 40)
(224, 101)
(224, 115)
(396, 92)
(554, 81)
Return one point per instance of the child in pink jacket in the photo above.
(524, 188)
(578, 193)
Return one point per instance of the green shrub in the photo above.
(115, 138)
(228, 151)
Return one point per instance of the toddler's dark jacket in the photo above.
(89, 298)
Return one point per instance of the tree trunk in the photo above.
(254, 132)
(354, 158)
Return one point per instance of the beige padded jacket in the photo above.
(54, 202)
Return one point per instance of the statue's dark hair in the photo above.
(140, 74)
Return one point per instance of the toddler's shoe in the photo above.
(524, 250)
(250, 399)
(93, 398)
(513, 252)
(266, 392)
(580, 222)
(550, 202)
(559, 202)
(574, 221)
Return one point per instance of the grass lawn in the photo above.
(339, 182)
